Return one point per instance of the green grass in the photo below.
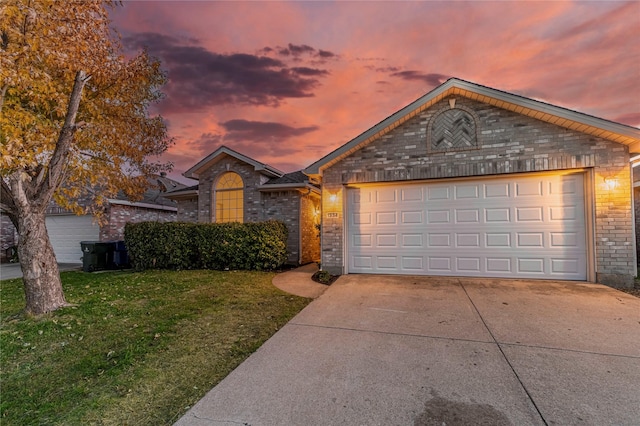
(138, 349)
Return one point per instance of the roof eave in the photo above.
(194, 172)
(617, 132)
(179, 195)
(142, 205)
(286, 186)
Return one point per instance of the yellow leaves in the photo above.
(38, 67)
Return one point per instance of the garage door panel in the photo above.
(569, 185)
(563, 239)
(412, 264)
(412, 217)
(530, 239)
(497, 190)
(467, 215)
(531, 188)
(387, 240)
(468, 240)
(386, 195)
(465, 192)
(497, 215)
(529, 214)
(412, 194)
(438, 216)
(468, 264)
(412, 240)
(563, 212)
(438, 193)
(361, 218)
(529, 227)
(362, 240)
(386, 218)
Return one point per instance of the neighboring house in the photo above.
(473, 181)
(235, 188)
(66, 229)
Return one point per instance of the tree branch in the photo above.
(47, 186)
(3, 92)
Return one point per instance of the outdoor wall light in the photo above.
(610, 183)
(333, 198)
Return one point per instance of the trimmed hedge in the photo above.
(221, 246)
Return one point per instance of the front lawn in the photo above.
(138, 349)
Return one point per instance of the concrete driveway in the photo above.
(382, 350)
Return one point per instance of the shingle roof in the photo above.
(293, 177)
(159, 186)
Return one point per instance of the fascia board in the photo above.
(193, 172)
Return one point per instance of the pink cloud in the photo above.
(348, 65)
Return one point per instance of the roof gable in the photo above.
(563, 117)
(222, 152)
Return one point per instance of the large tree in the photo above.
(74, 124)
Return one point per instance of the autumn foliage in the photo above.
(74, 119)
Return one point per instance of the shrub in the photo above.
(221, 246)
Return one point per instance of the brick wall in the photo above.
(285, 206)
(8, 236)
(507, 142)
(258, 206)
(118, 215)
(309, 218)
(250, 178)
(187, 210)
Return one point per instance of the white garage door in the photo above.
(66, 232)
(529, 226)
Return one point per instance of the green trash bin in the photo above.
(96, 255)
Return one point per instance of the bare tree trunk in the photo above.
(42, 285)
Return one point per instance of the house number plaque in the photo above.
(332, 214)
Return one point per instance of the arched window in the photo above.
(228, 198)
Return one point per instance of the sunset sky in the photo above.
(288, 82)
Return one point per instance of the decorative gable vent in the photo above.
(453, 129)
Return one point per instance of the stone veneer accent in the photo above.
(507, 143)
(118, 215)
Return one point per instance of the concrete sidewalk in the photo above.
(298, 282)
(12, 270)
(389, 350)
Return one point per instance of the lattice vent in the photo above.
(453, 129)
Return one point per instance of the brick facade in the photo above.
(292, 206)
(250, 178)
(310, 237)
(119, 215)
(507, 142)
(285, 206)
(187, 210)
